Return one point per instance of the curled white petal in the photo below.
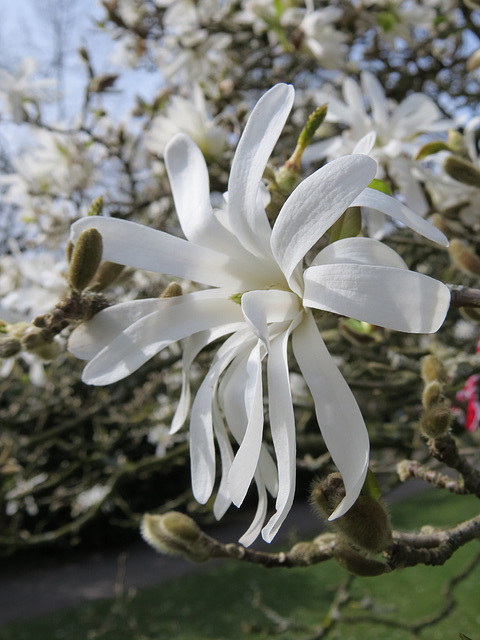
(385, 296)
(338, 415)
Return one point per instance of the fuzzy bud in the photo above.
(432, 394)
(473, 61)
(86, 258)
(433, 369)
(106, 274)
(356, 563)
(172, 291)
(365, 525)
(435, 421)
(463, 171)
(464, 258)
(96, 207)
(175, 533)
(9, 347)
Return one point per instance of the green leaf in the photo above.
(371, 487)
(430, 148)
(347, 226)
(386, 20)
(380, 185)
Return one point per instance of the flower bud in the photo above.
(106, 273)
(463, 171)
(432, 394)
(172, 291)
(433, 369)
(435, 421)
(464, 258)
(96, 207)
(86, 258)
(473, 61)
(9, 347)
(175, 533)
(365, 525)
(356, 563)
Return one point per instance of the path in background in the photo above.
(28, 591)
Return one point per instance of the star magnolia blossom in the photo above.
(396, 127)
(261, 296)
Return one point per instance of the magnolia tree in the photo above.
(270, 268)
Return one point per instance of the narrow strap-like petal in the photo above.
(222, 499)
(314, 206)
(376, 97)
(91, 337)
(282, 426)
(385, 296)
(192, 347)
(338, 415)
(399, 212)
(146, 337)
(247, 220)
(141, 247)
(202, 448)
(253, 531)
(188, 175)
(246, 459)
(359, 251)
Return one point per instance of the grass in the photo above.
(234, 601)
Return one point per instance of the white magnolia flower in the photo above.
(191, 117)
(19, 89)
(366, 110)
(261, 295)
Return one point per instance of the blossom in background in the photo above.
(365, 110)
(30, 284)
(19, 89)
(190, 117)
(260, 296)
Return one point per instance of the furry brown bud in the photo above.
(86, 258)
(175, 533)
(435, 421)
(464, 258)
(463, 171)
(356, 563)
(433, 369)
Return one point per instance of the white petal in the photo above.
(338, 415)
(222, 499)
(192, 347)
(314, 206)
(91, 337)
(252, 534)
(249, 222)
(245, 463)
(399, 212)
(385, 296)
(263, 307)
(138, 246)
(231, 394)
(470, 136)
(376, 97)
(188, 175)
(282, 425)
(202, 448)
(142, 340)
(359, 251)
(366, 144)
(414, 115)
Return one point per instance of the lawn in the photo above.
(234, 601)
